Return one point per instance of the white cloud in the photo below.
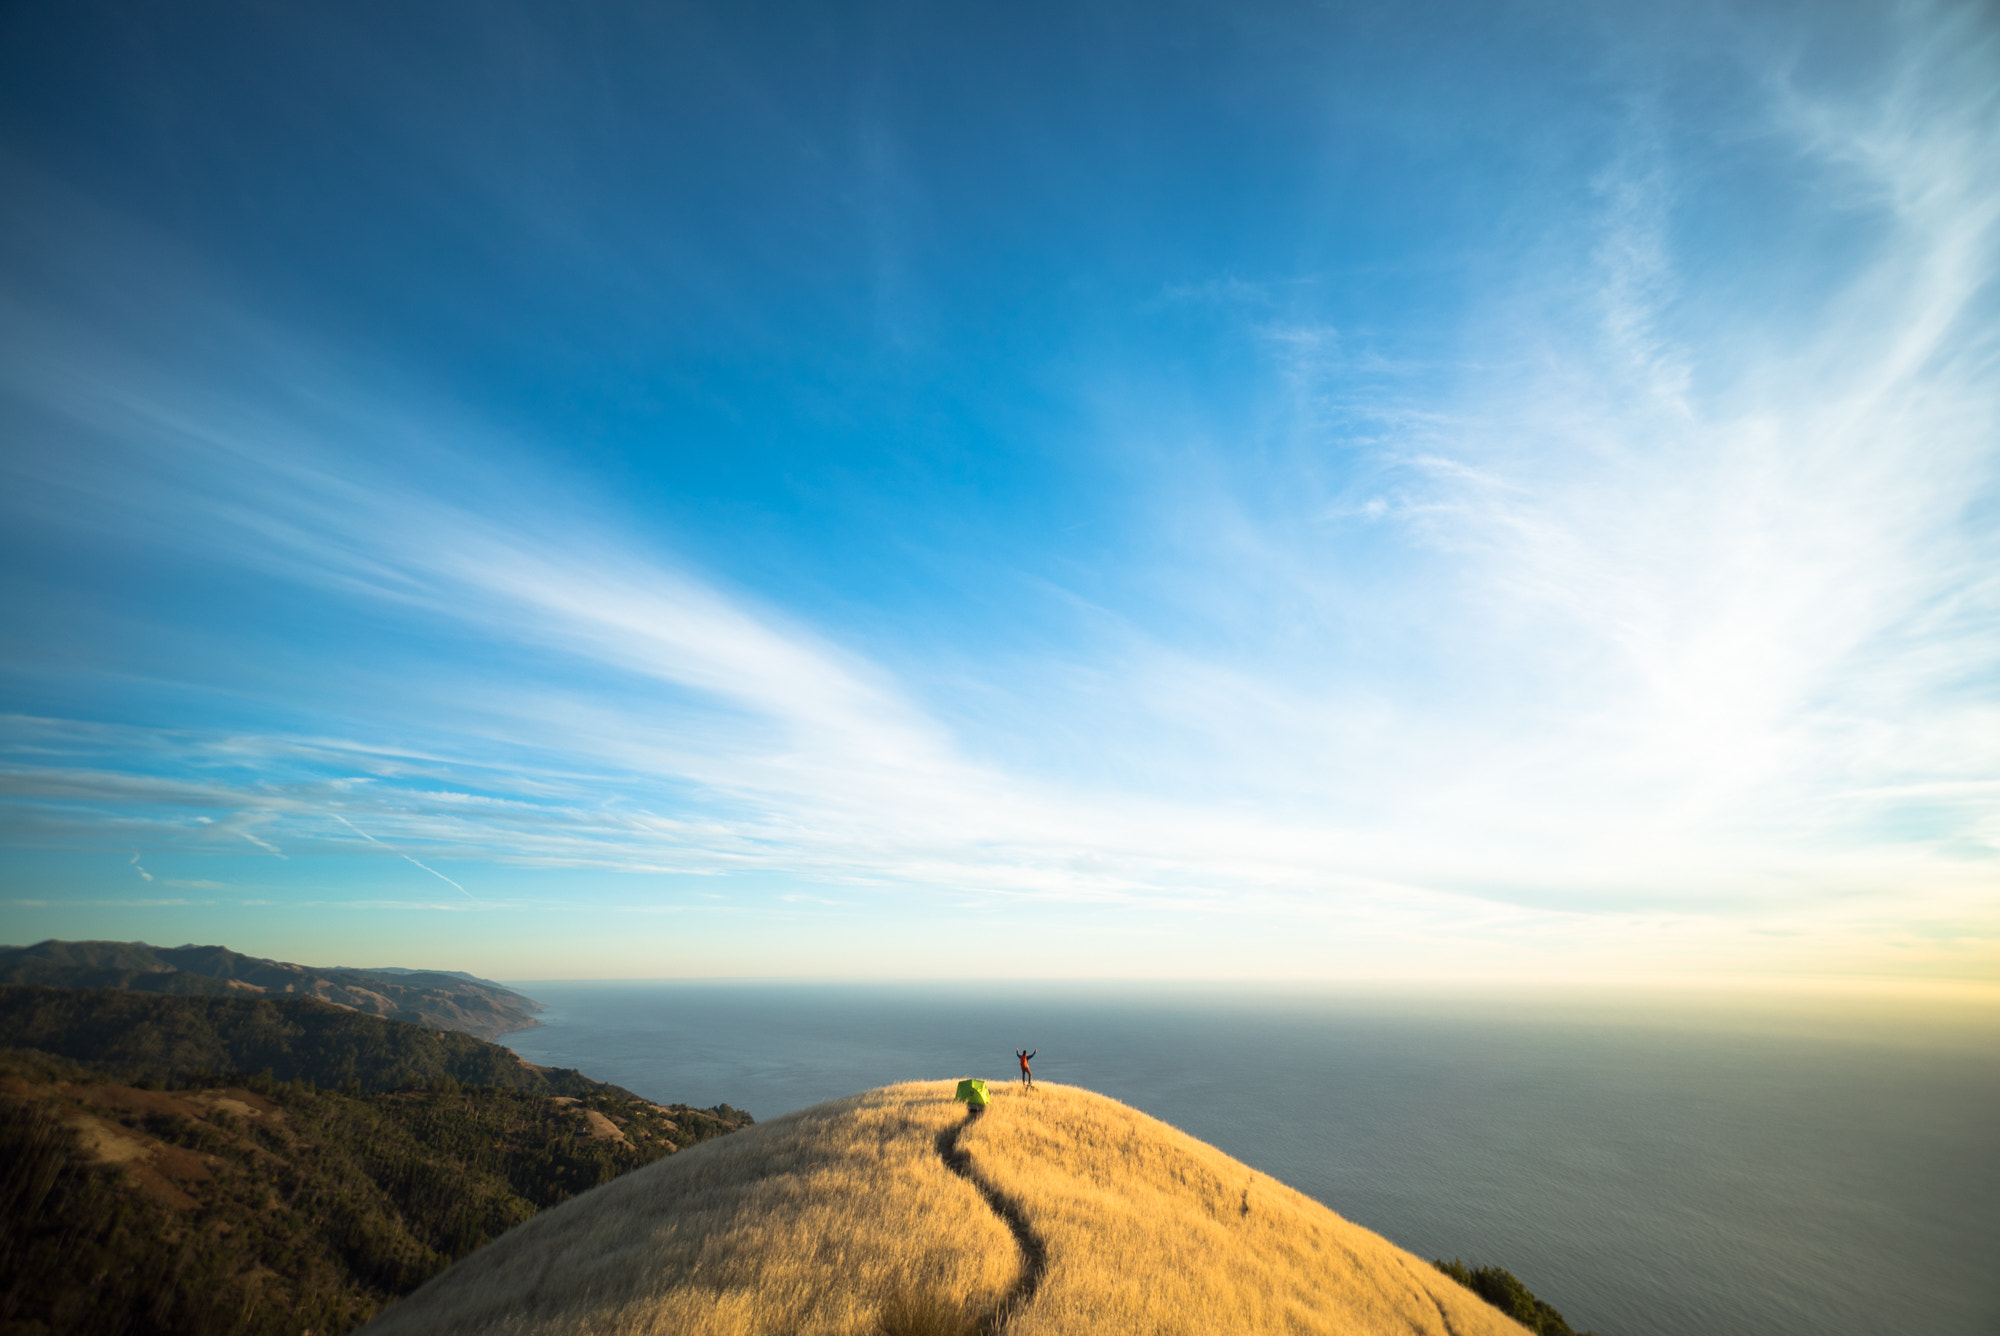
(1682, 624)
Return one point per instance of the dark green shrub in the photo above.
(1504, 1290)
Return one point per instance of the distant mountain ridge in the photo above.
(145, 1036)
(439, 999)
(400, 970)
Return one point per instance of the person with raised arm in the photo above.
(1027, 1077)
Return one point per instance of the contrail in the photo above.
(405, 857)
(270, 849)
(440, 876)
(356, 829)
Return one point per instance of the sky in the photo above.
(1431, 491)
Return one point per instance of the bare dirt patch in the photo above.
(601, 1128)
(107, 1144)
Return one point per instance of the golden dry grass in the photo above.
(1150, 1230)
(842, 1219)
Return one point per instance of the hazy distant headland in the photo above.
(441, 999)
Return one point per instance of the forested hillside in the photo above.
(151, 1036)
(162, 1192)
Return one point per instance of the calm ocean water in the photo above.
(1647, 1178)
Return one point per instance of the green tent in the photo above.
(973, 1092)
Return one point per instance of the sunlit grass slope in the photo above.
(808, 1223)
(1150, 1230)
(843, 1218)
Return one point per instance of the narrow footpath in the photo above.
(1034, 1252)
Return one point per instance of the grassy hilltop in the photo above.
(1067, 1212)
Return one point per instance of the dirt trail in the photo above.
(1034, 1252)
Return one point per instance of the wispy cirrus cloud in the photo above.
(1644, 627)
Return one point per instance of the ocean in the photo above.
(1648, 1173)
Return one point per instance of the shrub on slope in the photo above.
(1504, 1290)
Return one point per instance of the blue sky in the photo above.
(1179, 490)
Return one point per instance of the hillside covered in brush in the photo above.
(892, 1213)
(164, 1037)
(443, 1000)
(171, 1201)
